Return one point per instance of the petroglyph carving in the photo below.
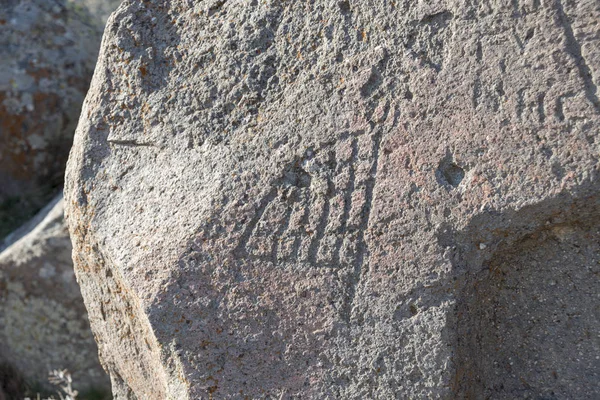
(317, 212)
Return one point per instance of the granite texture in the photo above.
(342, 199)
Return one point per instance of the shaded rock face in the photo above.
(526, 317)
(47, 56)
(343, 199)
(43, 322)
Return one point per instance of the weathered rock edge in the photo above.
(288, 199)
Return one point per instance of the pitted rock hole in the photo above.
(451, 173)
(529, 323)
(344, 6)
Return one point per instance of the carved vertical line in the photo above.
(279, 233)
(476, 91)
(541, 113)
(347, 202)
(518, 40)
(362, 247)
(320, 232)
(295, 254)
(520, 104)
(559, 106)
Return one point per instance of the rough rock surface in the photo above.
(47, 55)
(342, 199)
(43, 322)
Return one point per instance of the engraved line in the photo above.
(363, 250)
(476, 91)
(518, 40)
(520, 104)
(347, 202)
(240, 249)
(130, 143)
(559, 103)
(540, 108)
(320, 231)
(295, 254)
(574, 49)
(279, 233)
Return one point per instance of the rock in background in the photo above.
(48, 51)
(47, 55)
(100, 9)
(43, 321)
(342, 199)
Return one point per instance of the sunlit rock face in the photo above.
(334, 199)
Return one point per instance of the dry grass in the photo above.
(14, 387)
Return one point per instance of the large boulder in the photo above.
(43, 322)
(342, 199)
(48, 51)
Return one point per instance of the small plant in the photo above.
(62, 379)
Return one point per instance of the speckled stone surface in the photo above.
(43, 322)
(47, 54)
(342, 199)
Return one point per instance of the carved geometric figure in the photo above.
(290, 206)
(329, 201)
